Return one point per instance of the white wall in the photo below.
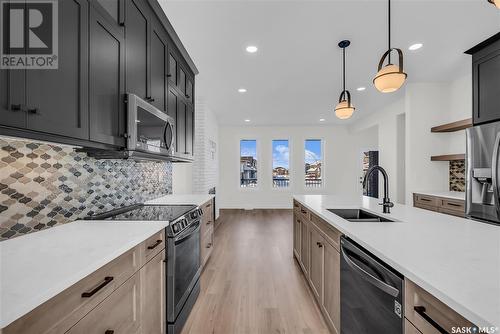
(342, 156)
(182, 176)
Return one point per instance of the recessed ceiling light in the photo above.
(251, 49)
(247, 120)
(415, 46)
(242, 90)
(321, 119)
(360, 89)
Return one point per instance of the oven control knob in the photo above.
(175, 227)
(194, 215)
(184, 223)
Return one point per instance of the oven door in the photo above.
(183, 268)
(149, 129)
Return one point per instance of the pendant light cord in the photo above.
(389, 34)
(343, 67)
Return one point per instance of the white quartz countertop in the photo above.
(455, 259)
(195, 199)
(38, 266)
(445, 194)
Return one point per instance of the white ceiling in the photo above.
(295, 77)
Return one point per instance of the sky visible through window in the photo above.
(313, 151)
(313, 162)
(281, 163)
(248, 148)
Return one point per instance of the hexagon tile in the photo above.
(42, 185)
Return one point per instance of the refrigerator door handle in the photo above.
(494, 174)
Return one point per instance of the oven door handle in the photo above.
(187, 233)
(390, 290)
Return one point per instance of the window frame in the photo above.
(322, 187)
(259, 164)
(290, 185)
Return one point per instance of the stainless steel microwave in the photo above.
(149, 130)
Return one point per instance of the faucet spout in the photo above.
(386, 202)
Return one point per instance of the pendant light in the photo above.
(344, 108)
(390, 77)
(495, 3)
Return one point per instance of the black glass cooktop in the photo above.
(145, 212)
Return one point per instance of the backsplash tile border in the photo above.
(45, 184)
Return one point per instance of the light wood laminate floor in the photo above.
(252, 284)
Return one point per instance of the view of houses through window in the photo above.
(313, 157)
(248, 163)
(281, 164)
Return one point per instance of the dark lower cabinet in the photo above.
(137, 53)
(486, 80)
(56, 100)
(106, 81)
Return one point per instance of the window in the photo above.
(313, 163)
(281, 164)
(248, 163)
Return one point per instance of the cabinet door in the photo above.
(172, 103)
(304, 247)
(180, 126)
(107, 73)
(57, 100)
(316, 243)
(181, 84)
(112, 10)
(189, 90)
(119, 313)
(190, 130)
(331, 287)
(172, 68)
(296, 236)
(12, 98)
(159, 61)
(153, 292)
(486, 90)
(137, 37)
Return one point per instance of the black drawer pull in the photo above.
(109, 331)
(209, 222)
(319, 244)
(106, 281)
(454, 204)
(209, 205)
(425, 199)
(303, 211)
(153, 246)
(15, 107)
(421, 311)
(33, 110)
(209, 245)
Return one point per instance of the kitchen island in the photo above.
(454, 259)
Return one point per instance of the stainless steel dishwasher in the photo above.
(371, 293)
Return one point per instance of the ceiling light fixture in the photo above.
(390, 77)
(247, 120)
(415, 46)
(344, 108)
(495, 3)
(321, 119)
(251, 49)
(242, 90)
(360, 89)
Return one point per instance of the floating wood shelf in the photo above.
(448, 157)
(454, 126)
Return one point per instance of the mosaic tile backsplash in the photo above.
(457, 175)
(43, 185)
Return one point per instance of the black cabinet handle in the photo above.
(187, 96)
(15, 107)
(149, 99)
(109, 331)
(33, 110)
(209, 245)
(169, 75)
(319, 244)
(421, 311)
(153, 246)
(107, 280)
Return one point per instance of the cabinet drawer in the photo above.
(425, 200)
(119, 313)
(455, 205)
(427, 313)
(410, 329)
(207, 245)
(207, 220)
(58, 314)
(452, 212)
(331, 234)
(153, 245)
(426, 207)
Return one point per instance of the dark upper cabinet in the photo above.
(12, 98)
(67, 114)
(486, 80)
(189, 90)
(114, 10)
(180, 126)
(137, 28)
(182, 81)
(172, 68)
(190, 130)
(106, 76)
(159, 63)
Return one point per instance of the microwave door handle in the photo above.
(494, 174)
(168, 142)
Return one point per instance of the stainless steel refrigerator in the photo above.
(483, 173)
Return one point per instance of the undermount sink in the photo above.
(358, 215)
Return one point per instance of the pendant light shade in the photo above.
(344, 108)
(390, 77)
(495, 2)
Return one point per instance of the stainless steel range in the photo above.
(183, 253)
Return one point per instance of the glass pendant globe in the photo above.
(343, 110)
(389, 79)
